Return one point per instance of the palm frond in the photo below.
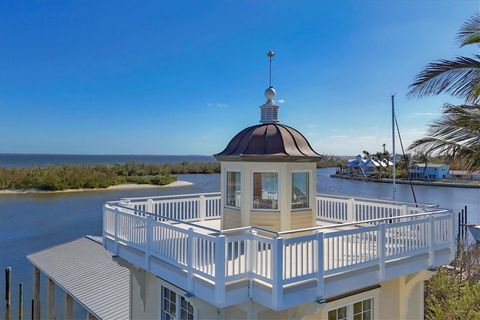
(460, 77)
(456, 134)
(470, 31)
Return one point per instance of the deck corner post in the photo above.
(190, 259)
(36, 293)
(277, 273)
(350, 210)
(51, 299)
(431, 240)
(202, 207)
(381, 250)
(220, 270)
(320, 264)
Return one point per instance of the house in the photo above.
(429, 171)
(366, 166)
(464, 175)
(267, 246)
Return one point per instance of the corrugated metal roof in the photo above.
(85, 270)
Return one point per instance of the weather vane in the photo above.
(270, 55)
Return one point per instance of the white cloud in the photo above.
(339, 136)
(218, 105)
(422, 114)
(281, 100)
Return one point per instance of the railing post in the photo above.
(220, 270)
(190, 254)
(251, 259)
(115, 223)
(202, 207)
(452, 236)
(430, 240)
(351, 210)
(404, 210)
(381, 250)
(149, 206)
(277, 273)
(148, 240)
(320, 264)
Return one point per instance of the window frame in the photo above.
(253, 187)
(179, 294)
(226, 189)
(349, 302)
(309, 174)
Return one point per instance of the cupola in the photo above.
(268, 174)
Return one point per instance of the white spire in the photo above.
(269, 110)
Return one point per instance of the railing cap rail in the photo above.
(430, 213)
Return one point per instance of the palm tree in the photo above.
(459, 76)
(455, 135)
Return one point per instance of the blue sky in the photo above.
(172, 77)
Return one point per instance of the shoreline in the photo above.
(125, 186)
(414, 182)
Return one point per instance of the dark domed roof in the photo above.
(268, 142)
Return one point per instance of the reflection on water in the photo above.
(30, 223)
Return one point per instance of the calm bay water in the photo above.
(32, 222)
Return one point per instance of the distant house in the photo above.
(366, 166)
(429, 172)
(465, 175)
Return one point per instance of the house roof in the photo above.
(430, 165)
(268, 142)
(86, 271)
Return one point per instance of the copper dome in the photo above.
(268, 142)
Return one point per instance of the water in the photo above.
(28, 160)
(32, 222)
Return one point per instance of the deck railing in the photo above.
(276, 260)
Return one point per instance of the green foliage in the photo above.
(454, 292)
(450, 299)
(54, 178)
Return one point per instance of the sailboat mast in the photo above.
(393, 148)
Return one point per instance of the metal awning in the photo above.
(86, 271)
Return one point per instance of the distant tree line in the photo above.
(328, 161)
(53, 178)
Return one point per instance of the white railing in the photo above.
(276, 261)
(343, 209)
(188, 207)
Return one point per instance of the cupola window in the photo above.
(233, 189)
(265, 190)
(300, 194)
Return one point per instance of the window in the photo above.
(338, 314)
(175, 306)
(187, 310)
(300, 194)
(362, 310)
(169, 304)
(265, 190)
(233, 189)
